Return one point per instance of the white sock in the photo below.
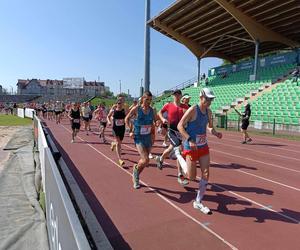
(201, 190)
(182, 162)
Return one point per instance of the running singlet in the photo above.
(175, 113)
(119, 118)
(143, 122)
(197, 130)
(75, 115)
(86, 111)
(102, 115)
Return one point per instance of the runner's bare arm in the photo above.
(237, 111)
(131, 113)
(109, 115)
(188, 116)
(211, 127)
(69, 115)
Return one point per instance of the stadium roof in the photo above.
(228, 29)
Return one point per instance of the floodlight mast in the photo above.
(147, 47)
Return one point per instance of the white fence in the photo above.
(20, 113)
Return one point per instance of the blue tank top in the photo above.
(143, 122)
(197, 130)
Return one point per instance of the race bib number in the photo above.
(119, 122)
(76, 120)
(178, 135)
(145, 129)
(201, 140)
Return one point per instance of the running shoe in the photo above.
(72, 141)
(121, 163)
(249, 140)
(201, 207)
(159, 163)
(104, 140)
(243, 142)
(135, 177)
(164, 145)
(182, 180)
(151, 156)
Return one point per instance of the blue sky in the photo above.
(52, 39)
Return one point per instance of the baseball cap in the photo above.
(207, 92)
(177, 91)
(186, 96)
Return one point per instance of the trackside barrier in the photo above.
(20, 113)
(63, 225)
(29, 113)
(64, 228)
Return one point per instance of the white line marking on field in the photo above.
(161, 196)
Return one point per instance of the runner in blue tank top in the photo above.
(142, 133)
(193, 127)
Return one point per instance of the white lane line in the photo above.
(259, 177)
(248, 149)
(279, 148)
(161, 196)
(265, 163)
(258, 204)
(243, 197)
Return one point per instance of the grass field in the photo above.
(11, 120)
(108, 102)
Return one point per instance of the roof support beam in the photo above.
(256, 30)
(195, 48)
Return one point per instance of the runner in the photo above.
(118, 114)
(92, 108)
(245, 123)
(193, 127)
(186, 99)
(101, 116)
(175, 112)
(74, 115)
(142, 133)
(85, 113)
(58, 111)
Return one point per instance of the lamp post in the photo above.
(147, 46)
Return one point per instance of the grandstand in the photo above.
(234, 30)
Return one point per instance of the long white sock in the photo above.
(201, 190)
(182, 162)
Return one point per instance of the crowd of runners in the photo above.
(182, 126)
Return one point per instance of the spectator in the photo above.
(206, 82)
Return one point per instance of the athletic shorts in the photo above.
(90, 117)
(75, 125)
(57, 112)
(245, 125)
(119, 131)
(175, 137)
(196, 154)
(145, 140)
(103, 124)
(86, 119)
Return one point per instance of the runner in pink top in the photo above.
(101, 116)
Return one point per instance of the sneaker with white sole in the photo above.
(159, 163)
(151, 156)
(164, 145)
(198, 205)
(182, 180)
(135, 177)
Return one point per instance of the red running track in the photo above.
(254, 194)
